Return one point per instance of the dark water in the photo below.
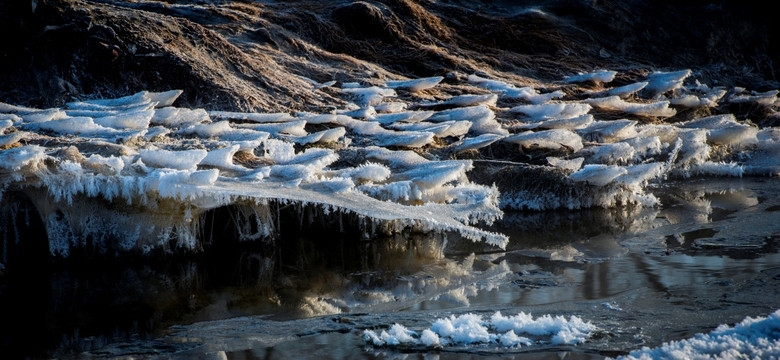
(643, 276)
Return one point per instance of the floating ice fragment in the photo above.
(411, 139)
(734, 135)
(623, 91)
(710, 122)
(604, 76)
(295, 128)
(324, 136)
(510, 91)
(165, 98)
(415, 84)
(74, 126)
(709, 100)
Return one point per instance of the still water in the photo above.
(708, 256)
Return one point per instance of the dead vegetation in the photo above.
(235, 55)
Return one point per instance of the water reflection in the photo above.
(712, 247)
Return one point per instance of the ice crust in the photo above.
(159, 167)
(497, 330)
(752, 338)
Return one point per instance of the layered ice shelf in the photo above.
(136, 173)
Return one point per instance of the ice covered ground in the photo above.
(392, 157)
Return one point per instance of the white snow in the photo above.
(497, 330)
(752, 338)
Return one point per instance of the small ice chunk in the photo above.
(179, 160)
(74, 126)
(165, 98)
(554, 139)
(765, 98)
(406, 116)
(603, 76)
(17, 158)
(552, 110)
(368, 172)
(127, 121)
(14, 109)
(626, 90)
(476, 142)
(510, 91)
(390, 107)
(222, 158)
(637, 175)
(572, 123)
(43, 115)
(295, 128)
(734, 135)
(443, 129)
(429, 338)
(660, 82)
(645, 146)
(710, 122)
(615, 153)
(254, 117)
(12, 138)
(435, 174)
(609, 131)
(412, 139)
(5, 124)
(15, 119)
(97, 104)
(179, 117)
(708, 100)
(510, 339)
(415, 84)
(207, 130)
(324, 136)
(659, 108)
(597, 175)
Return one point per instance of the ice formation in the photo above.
(496, 330)
(752, 338)
(390, 158)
